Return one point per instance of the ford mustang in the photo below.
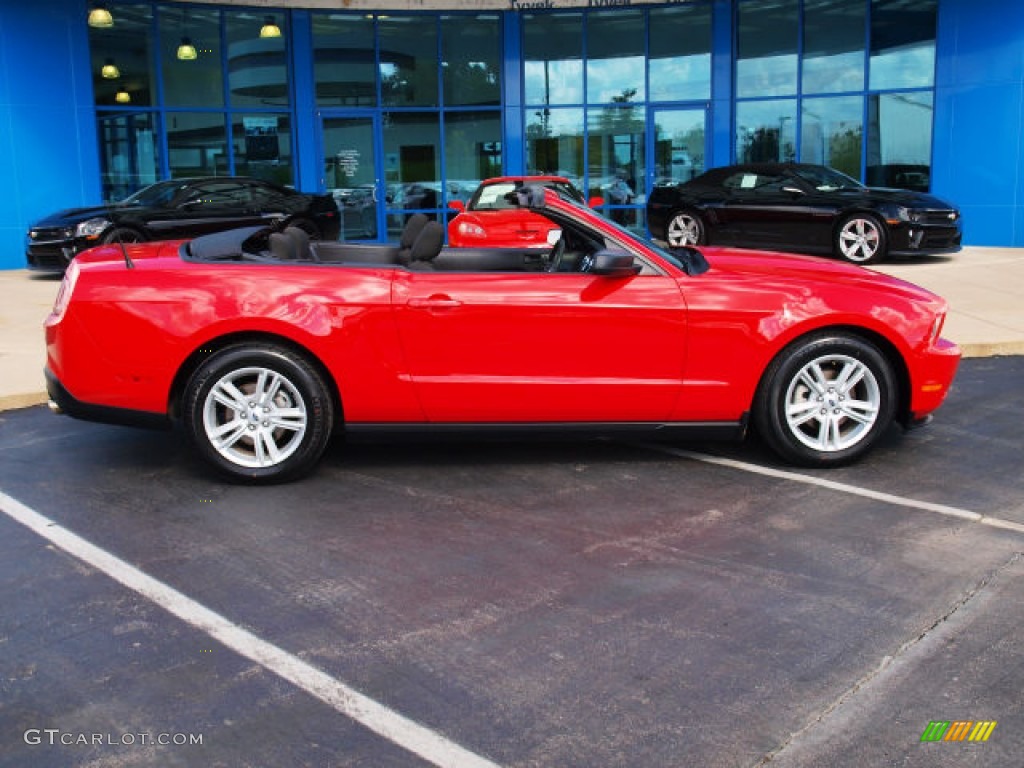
(262, 344)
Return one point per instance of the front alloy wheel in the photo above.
(826, 400)
(861, 240)
(259, 413)
(685, 228)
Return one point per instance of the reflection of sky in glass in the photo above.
(610, 78)
(681, 78)
(910, 67)
(560, 122)
(904, 129)
(766, 76)
(554, 82)
(834, 73)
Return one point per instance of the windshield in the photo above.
(491, 197)
(826, 179)
(155, 195)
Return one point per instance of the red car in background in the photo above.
(262, 344)
(492, 218)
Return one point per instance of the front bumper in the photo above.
(53, 255)
(931, 377)
(925, 239)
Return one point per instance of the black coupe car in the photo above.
(179, 208)
(804, 208)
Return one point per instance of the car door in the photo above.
(768, 210)
(540, 347)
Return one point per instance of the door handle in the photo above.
(437, 301)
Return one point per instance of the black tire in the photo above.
(685, 227)
(290, 412)
(861, 239)
(825, 400)
(123, 235)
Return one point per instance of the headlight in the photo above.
(92, 228)
(936, 329)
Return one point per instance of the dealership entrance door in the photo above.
(350, 146)
(678, 143)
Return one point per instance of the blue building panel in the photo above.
(49, 154)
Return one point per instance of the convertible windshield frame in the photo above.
(826, 179)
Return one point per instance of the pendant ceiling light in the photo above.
(187, 51)
(270, 28)
(123, 97)
(109, 70)
(100, 18)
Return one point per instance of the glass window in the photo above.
(615, 156)
(122, 58)
(472, 151)
(471, 64)
(902, 43)
(553, 58)
(344, 62)
(129, 159)
(766, 131)
(554, 143)
(831, 132)
(767, 48)
(899, 146)
(190, 53)
(408, 61)
(412, 160)
(257, 63)
(263, 147)
(196, 144)
(615, 57)
(833, 46)
(679, 62)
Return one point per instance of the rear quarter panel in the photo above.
(127, 332)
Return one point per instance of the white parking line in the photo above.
(888, 498)
(400, 730)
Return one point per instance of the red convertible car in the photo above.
(492, 218)
(263, 345)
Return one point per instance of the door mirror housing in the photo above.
(457, 205)
(608, 263)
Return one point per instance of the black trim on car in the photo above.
(64, 402)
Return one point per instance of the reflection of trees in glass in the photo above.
(470, 83)
(760, 145)
(844, 151)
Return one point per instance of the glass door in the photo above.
(679, 144)
(350, 149)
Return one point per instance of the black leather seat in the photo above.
(427, 246)
(300, 237)
(412, 230)
(281, 246)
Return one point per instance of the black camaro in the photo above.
(179, 208)
(805, 208)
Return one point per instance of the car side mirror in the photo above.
(595, 202)
(793, 191)
(457, 205)
(609, 263)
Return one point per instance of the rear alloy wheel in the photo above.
(259, 413)
(826, 400)
(861, 239)
(684, 228)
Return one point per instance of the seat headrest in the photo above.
(412, 229)
(281, 246)
(428, 243)
(301, 239)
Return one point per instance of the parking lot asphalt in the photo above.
(525, 604)
(984, 287)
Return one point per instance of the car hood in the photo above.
(905, 197)
(769, 267)
(75, 215)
